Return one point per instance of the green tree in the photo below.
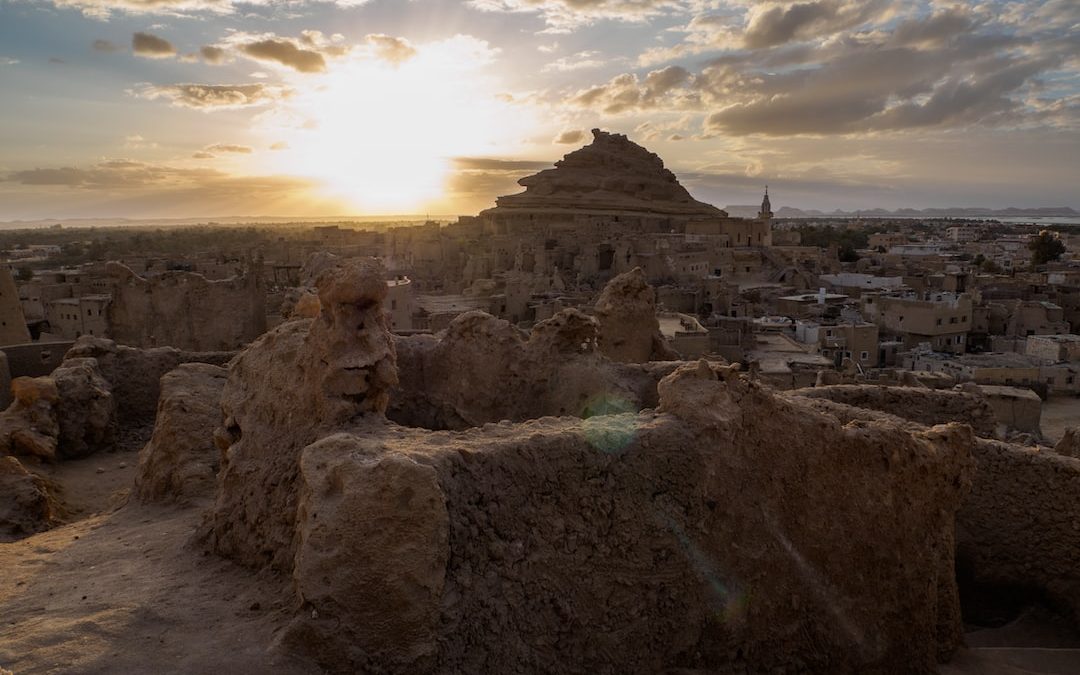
(848, 254)
(1045, 248)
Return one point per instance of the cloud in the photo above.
(628, 93)
(580, 61)
(572, 137)
(308, 53)
(567, 15)
(793, 74)
(228, 147)
(280, 145)
(151, 46)
(103, 9)
(771, 24)
(137, 142)
(202, 154)
(8, 61)
(287, 54)
(105, 46)
(209, 97)
(213, 55)
(390, 49)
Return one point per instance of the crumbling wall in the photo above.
(29, 426)
(66, 415)
(694, 536)
(86, 409)
(134, 375)
(186, 310)
(926, 406)
(634, 543)
(629, 330)
(1015, 408)
(180, 462)
(483, 369)
(1069, 445)
(26, 502)
(292, 386)
(1019, 526)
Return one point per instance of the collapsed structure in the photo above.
(486, 500)
(621, 541)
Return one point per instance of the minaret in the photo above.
(766, 207)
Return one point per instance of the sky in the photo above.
(202, 108)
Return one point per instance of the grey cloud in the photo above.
(935, 30)
(627, 93)
(216, 96)
(212, 54)
(152, 46)
(286, 53)
(104, 46)
(777, 24)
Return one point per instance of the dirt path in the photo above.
(124, 593)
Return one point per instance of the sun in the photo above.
(382, 136)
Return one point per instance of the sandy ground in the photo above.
(122, 590)
(1059, 412)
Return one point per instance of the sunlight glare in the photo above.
(382, 136)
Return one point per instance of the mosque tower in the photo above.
(766, 208)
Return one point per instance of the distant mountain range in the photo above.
(751, 211)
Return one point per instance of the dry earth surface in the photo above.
(121, 591)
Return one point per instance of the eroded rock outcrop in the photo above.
(629, 330)
(693, 536)
(181, 460)
(610, 174)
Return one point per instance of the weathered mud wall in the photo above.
(926, 406)
(180, 462)
(186, 310)
(483, 369)
(630, 543)
(693, 536)
(295, 384)
(629, 329)
(1020, 526)
(134, 375)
